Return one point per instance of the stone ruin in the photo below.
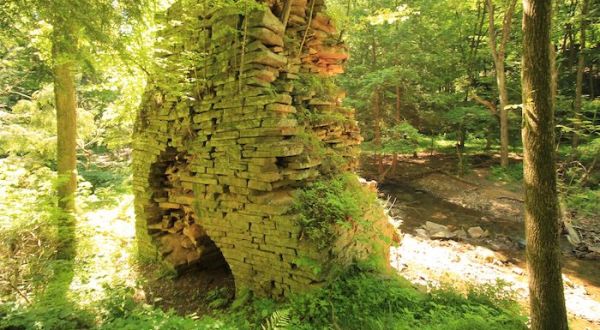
(240, 112)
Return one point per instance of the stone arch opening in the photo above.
(177, 230)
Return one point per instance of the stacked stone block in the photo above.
(229, 129)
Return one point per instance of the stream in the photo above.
(498, 255)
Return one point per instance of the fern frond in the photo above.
(279, 320)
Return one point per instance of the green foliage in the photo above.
(150, 318)
(590, 150)
(30, 126)
(53, 315)
(512, 173)
(309, 85)
(359, 300)
(279, 320)
(28, 221)
(356, 299)
(218, 298)
(584, 202)
(323, 205)
(468, 117)
(100, 177)
(403, 139)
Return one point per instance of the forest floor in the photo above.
(468, 231)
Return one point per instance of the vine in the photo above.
(310, 17)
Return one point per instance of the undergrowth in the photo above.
(511, 174)
(355, 300)
(325, 204)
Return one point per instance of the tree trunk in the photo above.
(579, 78)
(66, 115)
(504, 138)
(376, 118)
(377, 128)
(546, 296)
(376, 108)
(398, 114)
(498, 54)
(398, 119)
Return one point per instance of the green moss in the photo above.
(327, 204)
(332, 162)
(310, 84)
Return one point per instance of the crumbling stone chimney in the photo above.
(241, 111)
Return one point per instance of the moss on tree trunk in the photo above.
(66, 114)
(542, 225)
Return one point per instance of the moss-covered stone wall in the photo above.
(241, 111)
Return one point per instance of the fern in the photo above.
(279, 320)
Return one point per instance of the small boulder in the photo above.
(484, 254)
(421, 233)
(443, 234)
(438, 231)
(434, 227)
(476, 232)
(460, 234)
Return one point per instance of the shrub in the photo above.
(365, 300)
(510, 174)
(585, 202)
(326, 203)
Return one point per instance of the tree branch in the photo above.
(508, 16)
(492, 30)
(491, 106)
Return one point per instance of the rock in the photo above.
(443, 234)
(498, 246)
(485, 254)
(434, 227)
(421, 233)
(460, 234)
(476, 232)
(372, 185)
(518, 271)
(438, 231)
(567, 282)
(223, 158)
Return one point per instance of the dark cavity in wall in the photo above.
(177, 229)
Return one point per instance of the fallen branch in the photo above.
(511, 199)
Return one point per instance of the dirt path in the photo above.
(424, 190)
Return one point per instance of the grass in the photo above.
(355, 300)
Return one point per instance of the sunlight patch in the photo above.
(105, 241)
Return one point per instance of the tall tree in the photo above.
(499, 56)
(546, 295)
(580, 68)
(97, 24)
(64, 52)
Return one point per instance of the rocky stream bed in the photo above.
(468, 231)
